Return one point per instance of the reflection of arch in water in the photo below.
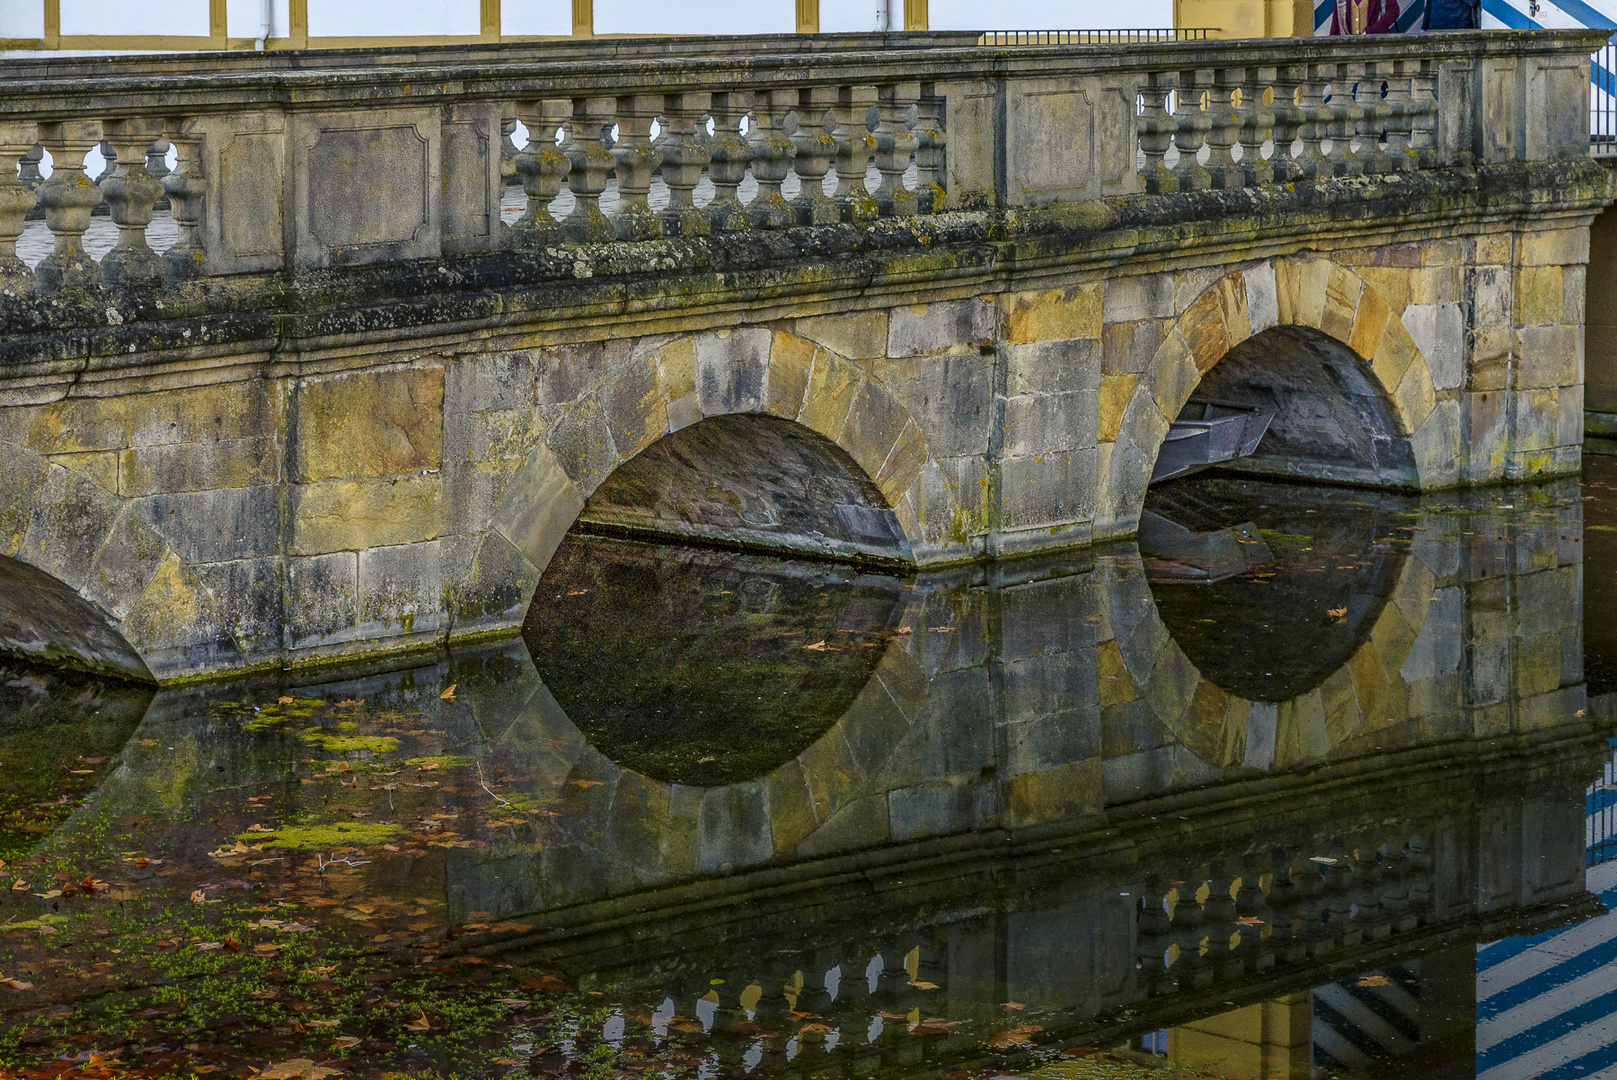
(846, 418)
(1387, 679)
(702, 667)
(86, 582)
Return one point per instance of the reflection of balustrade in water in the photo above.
(415, 167)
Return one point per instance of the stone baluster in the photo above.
(893, 979)
(1342, 114)
(1153, 936)
(1190, 110)
(1157, 127)
(729, 155)
(1288, 121)
(1339, 891)
(1395, 889)
(28, 173)
(815, 147)
(635, 219)
(1189, 928)
(1219, 910)
(1372, 120)
(591, 161)
(1316, 902)
(132, 193)
(68, 198)
(1225, 106)
(1257, 125)
(854, 147)
(895, 144)
(157, 158)
(17, 138)
(187, 196)
(684, 148)
(1312, 164)
(1400, 120)
(772, 1014)
(931, 153)
(1252, 908)
(1423, 114)
(772, 154)
(543, 169)
(1285, 905)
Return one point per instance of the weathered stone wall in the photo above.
(374, 489)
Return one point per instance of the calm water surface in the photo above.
(1307, 782)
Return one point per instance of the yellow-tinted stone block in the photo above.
(370, 424)
(351, 515)
(1052, 315)
(1202, 326)
(858, 335)
(1369, 324)
(1342, 291)
(791, 358)
(1115, 391)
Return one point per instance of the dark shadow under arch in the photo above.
(1332, 421)
(45, 621)
(750, 481)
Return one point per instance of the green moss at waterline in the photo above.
(320, 837)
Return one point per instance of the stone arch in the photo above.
(746, 370)
(1229, 731)
(88, 583)
(1309, 292)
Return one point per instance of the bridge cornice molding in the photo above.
(270, 325)
(452, 75)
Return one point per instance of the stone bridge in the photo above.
(910, 300)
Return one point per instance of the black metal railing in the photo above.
(1094, 37)
(1601, 807)
(1603, 101)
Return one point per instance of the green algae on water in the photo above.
(318, 837)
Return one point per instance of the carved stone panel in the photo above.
(972, 122)
(246, 177)
(1051, 143)
(1119, 171)
(368, 188)
(1500, 114)
(471, 185)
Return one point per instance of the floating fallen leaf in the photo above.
(53, 894)
(283, 701)
(81, 772)
(941, 629)
(1336, 612)
(1013, 1006)
(932, 1025)
(20, 886)
(429, 766)
(1013, 1037)
(17, 984)
(322, 1023)
(420, 1024)
(515, 1003)
(449, 695)
(924, 985)
(1250, 920)
(820, 646)
(504, 1061)
(92, 760)
(587, 783)
(198, 897)
(350, 703)
(209, 946)
(297, 1069)
(1374, 980)
(343, 1042)
(232, 943)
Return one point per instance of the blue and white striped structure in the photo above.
(1547, 1004)
(1538, 15)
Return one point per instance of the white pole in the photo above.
(263, 24)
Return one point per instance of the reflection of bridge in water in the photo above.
(1019, 783)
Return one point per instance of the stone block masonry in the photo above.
(315, 457)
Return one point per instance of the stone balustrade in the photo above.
(285, 165)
